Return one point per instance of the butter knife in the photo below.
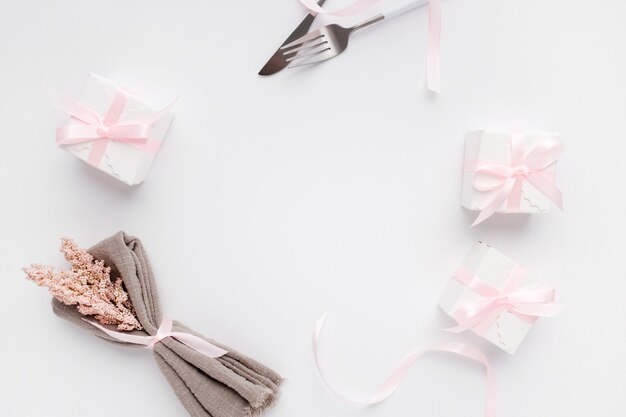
(277, 61)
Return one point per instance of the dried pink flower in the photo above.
(89, 286)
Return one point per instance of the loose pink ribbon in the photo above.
(102, 130)
(526, 303)
(508, 179)
(405, 365)
(165, 330)
(434, 32)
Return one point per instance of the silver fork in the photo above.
(329, 41)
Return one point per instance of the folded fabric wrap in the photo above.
(231, 385)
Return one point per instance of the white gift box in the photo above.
(495, 146)
(123, 161)
(508, 330)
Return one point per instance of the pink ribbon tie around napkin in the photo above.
(102, 130)
(434, 32)
(526, 303)
(165, 330)
(508, 178)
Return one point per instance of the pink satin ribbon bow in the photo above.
(405, 365)
(165, 330)
(102, 130)
(526, 303)
(508, 179)
(434, 32)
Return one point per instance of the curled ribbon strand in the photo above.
(164, 331)
(102, 130)
(433, 71)
(527, 304)
(399, 372)
(434, 32)
(508, 179)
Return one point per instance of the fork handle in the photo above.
(403, 7)
(393, 11)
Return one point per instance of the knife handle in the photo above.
(403, 7)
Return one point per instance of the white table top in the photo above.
(334, 188)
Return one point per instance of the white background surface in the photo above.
(334, 188)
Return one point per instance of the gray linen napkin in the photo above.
(230, 386)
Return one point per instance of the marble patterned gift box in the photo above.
(113, 130)
(493, 296)
(510, 172)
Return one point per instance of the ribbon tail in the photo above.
(316, 336)
(399, 372)
(484, 215)
(515, 197)
(98, 149)
(496, 203)
(547, 187)
(433, 56)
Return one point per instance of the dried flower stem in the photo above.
(89, 286)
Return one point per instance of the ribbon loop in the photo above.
(165, 331)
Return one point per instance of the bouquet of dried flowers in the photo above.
(89, 286)
(226, 384)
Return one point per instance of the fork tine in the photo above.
(304, 47)
(308, 53)
(321, 47)
(314, 57)
(308, 37)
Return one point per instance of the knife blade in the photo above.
(277, 61)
